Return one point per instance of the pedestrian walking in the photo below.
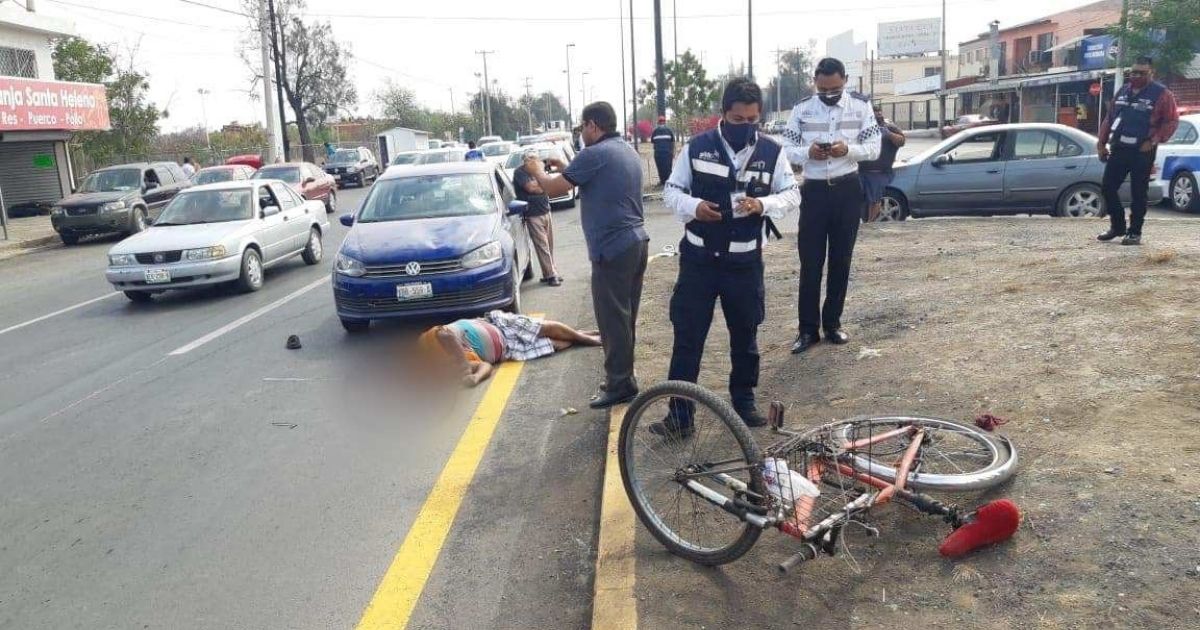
(473, 154)
(608, 173)
(827, 135)
(724, 185)
(663, 140)
(1142, 116)
(189, 169)
(875, 175)
(538, 219)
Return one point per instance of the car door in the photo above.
(293, 210)
(514, 223)
(1184, 147)
(275, 234)
(1042, 164)
(158, 196)
(322, 183)
(966, 178)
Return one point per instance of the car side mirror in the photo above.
(941, 160)
(308, 180)
(517, 206)
(346, 219)
(270, 211)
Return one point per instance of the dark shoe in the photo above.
(752, 417)
(611, 399)
(838, 337)
(672, 428)
(293, 342)
(1110, 235)
(556, 281)
(804, 341)
(1132, 239)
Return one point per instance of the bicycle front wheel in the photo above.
(718, 452)
(953, 456)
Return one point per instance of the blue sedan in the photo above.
(436, 239)
(1005, 169)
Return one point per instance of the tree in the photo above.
(688, 90)
(793, 81)
(546, 108)
(399, 104)
(1166, 30)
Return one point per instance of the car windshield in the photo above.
(405, 158)
(344, 156)
(496, 148)
(515, 159)
(113, 180)
(429, 197)
(212, 176)
(433, 157)
(207, 206)
(289, 174)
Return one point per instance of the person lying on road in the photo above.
(474, 346)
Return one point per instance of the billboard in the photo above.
(1099, 52)
(910, 37)
(29, 105)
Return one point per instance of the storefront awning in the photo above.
(1074, 41)
(1019, 83)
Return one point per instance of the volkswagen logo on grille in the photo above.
(159, 258)
(412, 268)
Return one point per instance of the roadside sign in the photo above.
(43, 161)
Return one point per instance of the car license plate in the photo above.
(414, 291)
(157, 276)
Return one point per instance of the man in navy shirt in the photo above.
(608, 173)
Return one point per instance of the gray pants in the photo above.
(541, 234)
(616, 295)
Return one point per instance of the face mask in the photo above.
(737, 134)
(830, 99)
(1138, 82)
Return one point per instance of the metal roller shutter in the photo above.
(25, 174)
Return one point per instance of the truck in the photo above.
(398, 140)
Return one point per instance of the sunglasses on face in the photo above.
(1138, 73)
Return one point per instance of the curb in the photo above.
(24, 247)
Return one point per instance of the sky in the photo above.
(431, 47)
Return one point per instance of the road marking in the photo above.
(58, 312)
(184, 349)
(148, 368)
(402, 584)
(614, 604)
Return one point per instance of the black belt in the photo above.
(836, 181)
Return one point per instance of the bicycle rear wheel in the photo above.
(654, 468)
(953, 456)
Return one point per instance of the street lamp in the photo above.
(570, 107)
(583, 86)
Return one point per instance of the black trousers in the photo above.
(1136, 165)
(616, 296)
(740, 288)
(662, 161)
(829, 216)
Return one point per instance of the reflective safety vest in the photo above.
(1131, 114)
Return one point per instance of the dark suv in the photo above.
(118, 199)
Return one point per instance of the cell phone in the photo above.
(825, 146)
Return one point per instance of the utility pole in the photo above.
(486, 88)
(873, 74)
(1119, 79)
(451, 100)
(529, 104)
(204, 114)
(583, 86)
(750, 39)
(277, 45)
(570, 106)
(479, 84)
(778, 80)
(633, 75)
(268, 74)
(660, 96)
(624, 94)
(675, 30)
(942, 92)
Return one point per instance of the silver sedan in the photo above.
(1004, 169)
(219, 233)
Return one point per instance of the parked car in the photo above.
(967, 121)
(408, 157)
(353, 166)
(546, 150)
(433, 240)
(527, 140)
(441, 156)
(1178, 164)
(121, 199)
(435, 144)
(1004, 169)
(776, 127)
(488, 140)
(497, 152)
(305, 178)
(227, 232)
(214, 174)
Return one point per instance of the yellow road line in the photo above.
(401, 586)
(614, 606)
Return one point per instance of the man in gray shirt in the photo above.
(608, 173)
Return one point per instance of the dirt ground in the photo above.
(1088, 349)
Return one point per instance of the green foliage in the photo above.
(793, 80)
(1166, 30)
(315, 77)
(688, 90)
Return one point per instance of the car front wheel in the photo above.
(331, 202)
(515, 305)
(69, 238)
(252, 272)
(1080, 201)
(1184, 195)
(892, 207)
(313, 251)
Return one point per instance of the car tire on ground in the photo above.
(1184, 194)
(515, 305)
(140, 297)
(362, 179)
(137, 220)
(331, 202)
(69, 238)
(356, 325)
(1079, 201)
(893, 206)
(252, 272)
(313, 250)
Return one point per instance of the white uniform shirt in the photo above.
(784, 197)
(189, 170)
(851, 121)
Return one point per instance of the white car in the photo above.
(488, 140)
(227, 232)
(546, 150)
(497, 152)
(1178, 164)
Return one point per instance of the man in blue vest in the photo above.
(663, 140)
(724, 186)
(1143, 116)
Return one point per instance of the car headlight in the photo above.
(122, 260)
(57, 211)
(489, 253)
(112, 206)
(205, 253)
(348, 266)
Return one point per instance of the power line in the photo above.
(143, 17)
(217, 8)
